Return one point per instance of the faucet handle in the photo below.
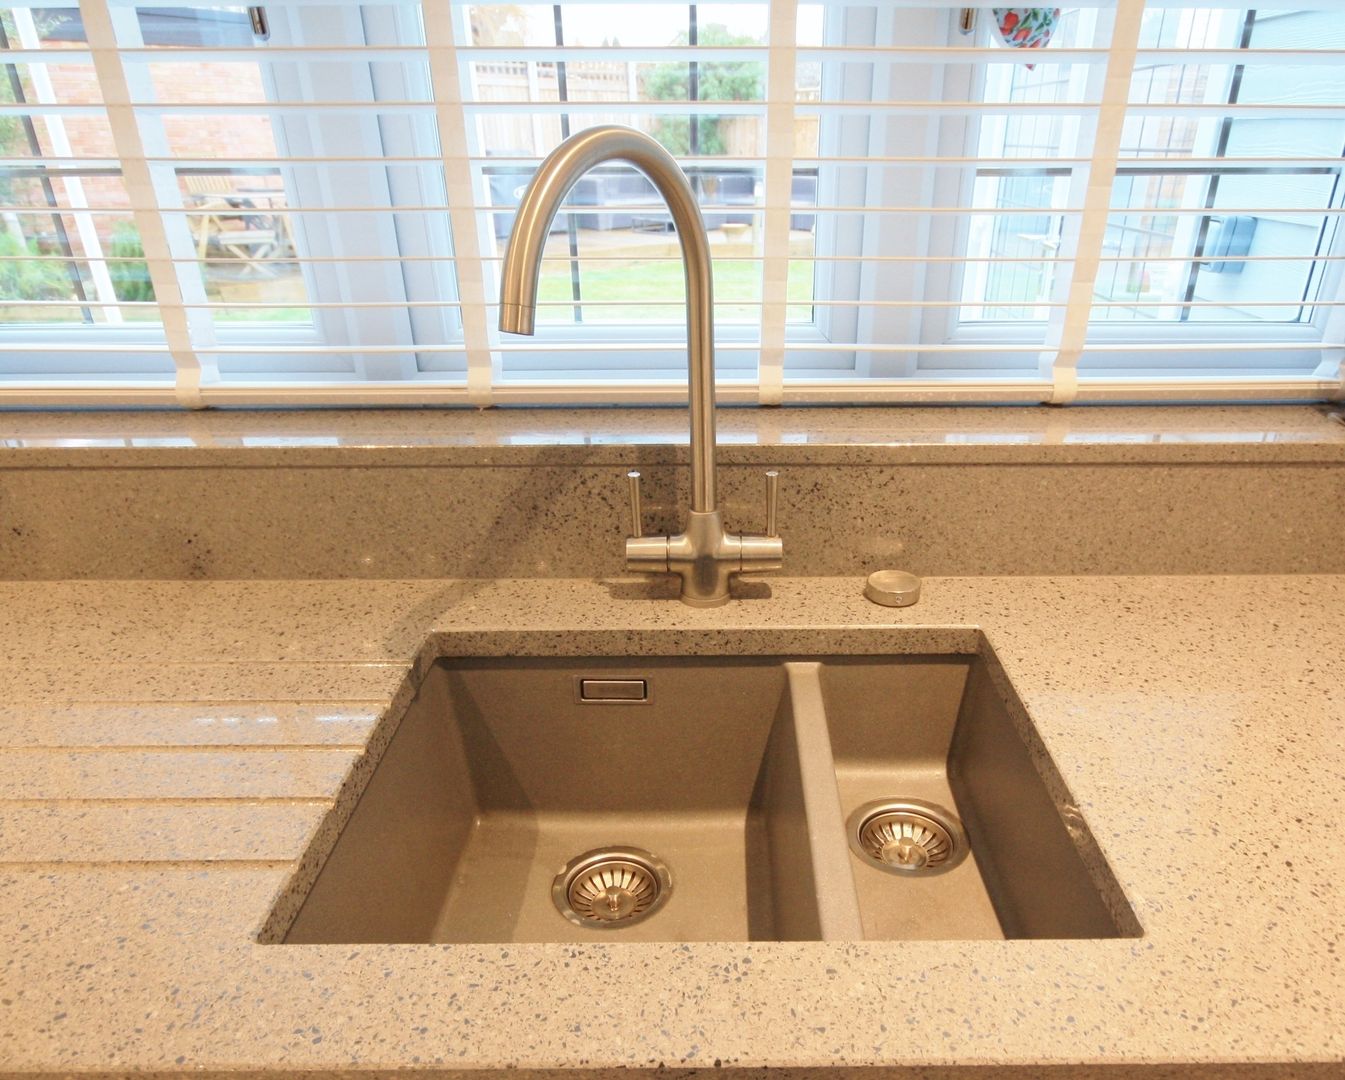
(633, 483)
(772, 501)
(758, 553)
(644, 554)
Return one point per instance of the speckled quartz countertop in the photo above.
(169, 748)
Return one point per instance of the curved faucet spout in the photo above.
(523, 260)
(705, 555)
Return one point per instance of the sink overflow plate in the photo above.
(612, 691)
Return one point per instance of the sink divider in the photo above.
(833, 879)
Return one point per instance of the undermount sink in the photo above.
(701, 799)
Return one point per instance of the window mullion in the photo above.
(781, 80)
(150, 192)
(1100, 176)
(1332, 366)
(1202, 225)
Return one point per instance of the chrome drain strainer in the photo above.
(907, 836)
(609, 888)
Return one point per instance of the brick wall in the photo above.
(187, 136)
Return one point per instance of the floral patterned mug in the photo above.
(1026, 28)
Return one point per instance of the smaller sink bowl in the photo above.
(699, 799)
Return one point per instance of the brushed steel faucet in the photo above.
(705, 554)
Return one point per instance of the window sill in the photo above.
(620, 436)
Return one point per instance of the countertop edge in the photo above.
(585, 437)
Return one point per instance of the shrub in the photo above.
(30, 279)
(130, 280)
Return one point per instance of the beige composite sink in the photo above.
(713, 799)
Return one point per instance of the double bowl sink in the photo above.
(712, 799)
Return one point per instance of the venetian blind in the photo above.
(308, 202)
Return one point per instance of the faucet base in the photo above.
(705, 557)
(697, 602)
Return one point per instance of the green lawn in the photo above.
(660, 284)
(265, 315)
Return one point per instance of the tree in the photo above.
(724, 80)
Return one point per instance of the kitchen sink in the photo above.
(711, 799)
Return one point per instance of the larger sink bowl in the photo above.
(695, 799)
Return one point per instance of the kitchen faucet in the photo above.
(704, 555)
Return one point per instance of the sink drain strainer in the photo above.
(907, 836)
(609, 888)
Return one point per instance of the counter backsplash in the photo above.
(408, 495)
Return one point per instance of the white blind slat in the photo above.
(684, 108)
(684, 53)
(756, 209)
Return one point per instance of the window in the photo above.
(1225, 202)
(309, 203)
